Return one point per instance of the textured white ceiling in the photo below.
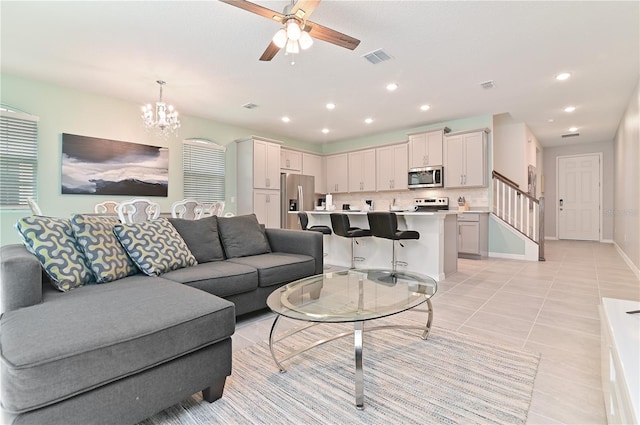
(208, 51)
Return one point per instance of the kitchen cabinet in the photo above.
(258, 179)
(266, 165)
(473, 240)
(290, 161)
(337, 173)
(362, 171)
(391, 167)
(312, 165)
(266, 206)
(425, 148)
(465, 162)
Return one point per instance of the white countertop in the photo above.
(444, 212)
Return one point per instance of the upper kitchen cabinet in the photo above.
(290, 161)
(259, 163)
(391, 167)
(362, 171)
(312, 165)
(425, 149)
(465, 155)
(337, 173)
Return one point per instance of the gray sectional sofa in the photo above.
(120, 351)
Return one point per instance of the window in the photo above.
(203, 168)
(18, 158)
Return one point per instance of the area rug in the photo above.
(451, 378)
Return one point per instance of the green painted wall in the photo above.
(504, 241)
(64, 110)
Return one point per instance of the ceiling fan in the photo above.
(297, 30)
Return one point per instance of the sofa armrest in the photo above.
(20, 278)
(297, 242)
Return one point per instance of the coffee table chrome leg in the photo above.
(357, 342)
(271, 335)
(427, 329)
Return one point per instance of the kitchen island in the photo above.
(435, 254)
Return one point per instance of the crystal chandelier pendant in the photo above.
(164, 117)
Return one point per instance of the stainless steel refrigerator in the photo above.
(296, 194)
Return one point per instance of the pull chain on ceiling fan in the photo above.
(297, 31)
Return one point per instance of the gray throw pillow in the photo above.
(201, 236)
(242, 236)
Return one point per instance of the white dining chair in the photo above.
(35, 208)
(106, 207)
(213, 208)
(188, 209)
(137, 210)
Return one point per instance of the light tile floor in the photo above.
(548, 307)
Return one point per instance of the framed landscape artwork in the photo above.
(92, 166)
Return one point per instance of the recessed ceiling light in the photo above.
(550, 120)
(286, 119)
(570, 109)
(331, 105)
(425, 107)
(563, 76)
(368, 120)
(392, 86)
(572, 129)
(325, 130)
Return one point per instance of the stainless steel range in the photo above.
(431, 204)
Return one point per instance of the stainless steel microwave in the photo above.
(425, 177)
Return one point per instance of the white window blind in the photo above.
(18, 159)
(204, 170)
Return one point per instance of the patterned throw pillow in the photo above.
(107, 258)
(155, 246)
(52, 241)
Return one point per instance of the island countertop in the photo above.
(434, 254)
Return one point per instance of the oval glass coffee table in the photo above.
(353, 296)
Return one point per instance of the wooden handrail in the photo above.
(512, 184)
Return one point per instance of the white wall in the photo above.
(550, 195)
(509, 149)
(626, 207)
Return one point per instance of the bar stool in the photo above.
(385, 225)
(342, 227)
(304, 222)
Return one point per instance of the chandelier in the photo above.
(292, 37)
(164, 117)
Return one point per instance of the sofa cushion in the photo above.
(279, 267)
(108, 259)
(155, 246)
(242, 236)
(111, 332)
(201, 236)
(221, 278)
(52, 241)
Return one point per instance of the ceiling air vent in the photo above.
(487, 84)
(564, 136)
(377, 56)
(250, 105)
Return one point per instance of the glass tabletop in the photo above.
(352, 295)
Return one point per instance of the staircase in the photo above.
(519, 210)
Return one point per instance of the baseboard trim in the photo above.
(607, 241)
(550, 238)
(507, 256)
(627, 260)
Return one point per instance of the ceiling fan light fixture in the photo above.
(305, 40)
(292, 47)
(280, 39)
(293, 29)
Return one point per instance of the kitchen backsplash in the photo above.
(477, 199)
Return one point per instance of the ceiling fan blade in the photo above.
(270, 52)
(331, 36)
(254, 8)
(304, 8)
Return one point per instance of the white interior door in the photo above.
(579, 197)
